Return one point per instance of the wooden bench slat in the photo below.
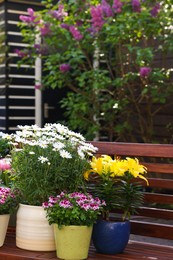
(158, 198)
(160, 183)
(134, 149)
(159, 167)
(153, 212)
(156, 230)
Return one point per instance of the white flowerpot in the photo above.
(33, 231)
(4, 220)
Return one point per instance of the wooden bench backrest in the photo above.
(155, 219)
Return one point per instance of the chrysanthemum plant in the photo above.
(79, 209)
(48, 160)
(117, 182)
(105, 53)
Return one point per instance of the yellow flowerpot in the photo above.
(72, 242)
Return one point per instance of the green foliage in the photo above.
(47, 161)
(105, 64)
(4, 147)
(73, 209)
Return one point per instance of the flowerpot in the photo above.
(4, 220)
(111, 237)
(72, 242)
(33, 231)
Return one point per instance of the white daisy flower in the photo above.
(65, 154)
(43, 159)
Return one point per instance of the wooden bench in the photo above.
(155, 218)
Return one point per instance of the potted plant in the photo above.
(115, 183)
(8, 203)
(73, 216)
(45, 161)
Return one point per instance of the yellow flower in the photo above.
(105, 166)
(118, 168)
(136, 169)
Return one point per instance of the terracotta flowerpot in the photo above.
(33, 231)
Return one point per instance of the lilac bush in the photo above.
(104, 52)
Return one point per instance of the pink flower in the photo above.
(76, 33)
(65, 204)
(64, 67)
(4, 165)
(136, 6)
(145, 71)
(117, 5)
(97, 17)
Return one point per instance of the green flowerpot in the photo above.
(72, 242)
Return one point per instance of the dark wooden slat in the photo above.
(156, 230)
(153, 212)
(158, 198)
(159, 167)
(160, 183)
(135, 149)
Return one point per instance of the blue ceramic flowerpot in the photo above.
(111, 237)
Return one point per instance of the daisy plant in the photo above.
(48, 160)
(117, 182)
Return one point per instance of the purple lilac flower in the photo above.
(136, 6)
(65, 26)
(145, 71)
(38, 86)
(155, 10)
(106, 8)
(41, 49)
(79, 22)
(97, 17)
(76, 33)
(20, 53)
(117, 5)
(60, 13)
(30, 18)
(45, 30)
(64, 67)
